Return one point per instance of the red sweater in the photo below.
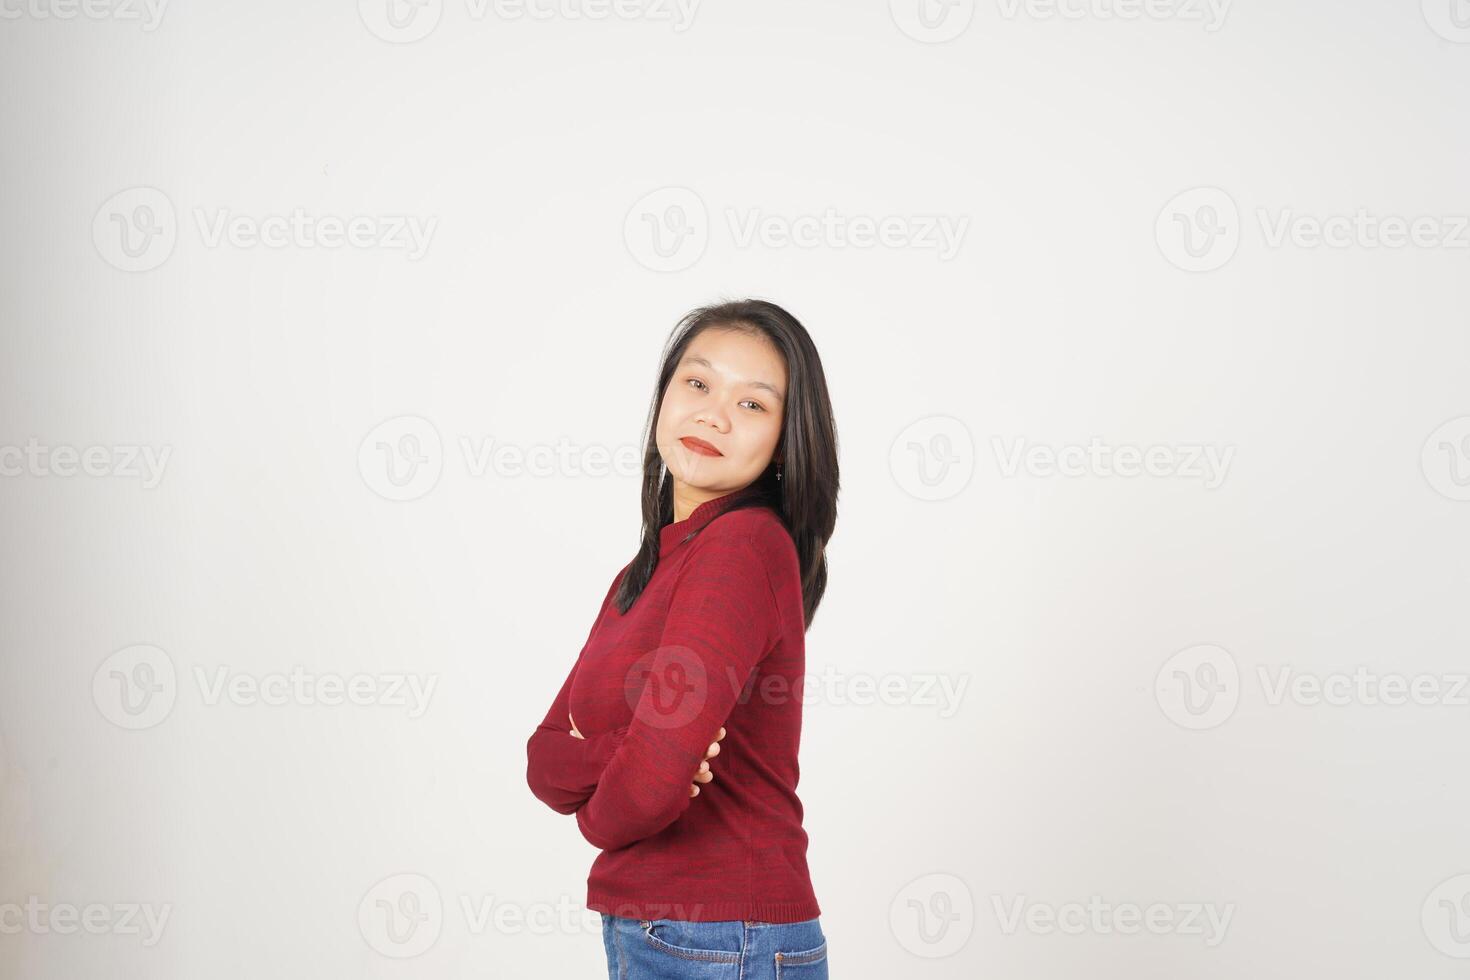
(716, 638)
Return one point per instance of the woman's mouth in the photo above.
(700, 446)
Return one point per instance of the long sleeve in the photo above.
(563, 770)
(722, 620)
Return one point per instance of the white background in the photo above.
(544, 150)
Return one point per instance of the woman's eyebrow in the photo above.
(695, 359)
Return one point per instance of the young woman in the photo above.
(674, 738)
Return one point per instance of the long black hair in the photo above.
(805, 498)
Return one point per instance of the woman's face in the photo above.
(729, 390)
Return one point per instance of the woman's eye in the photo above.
(702, 387)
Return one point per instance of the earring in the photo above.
(778, 471)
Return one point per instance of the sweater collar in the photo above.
(670, 535)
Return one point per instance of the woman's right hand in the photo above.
(704, 774)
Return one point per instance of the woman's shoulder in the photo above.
(756, 540)
(758, 528)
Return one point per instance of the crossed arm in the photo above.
(562, 771)
(633, 782)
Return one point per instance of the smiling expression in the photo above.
(727, 392)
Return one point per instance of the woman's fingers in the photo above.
(705, 774)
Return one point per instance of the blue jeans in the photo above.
(677, 949)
